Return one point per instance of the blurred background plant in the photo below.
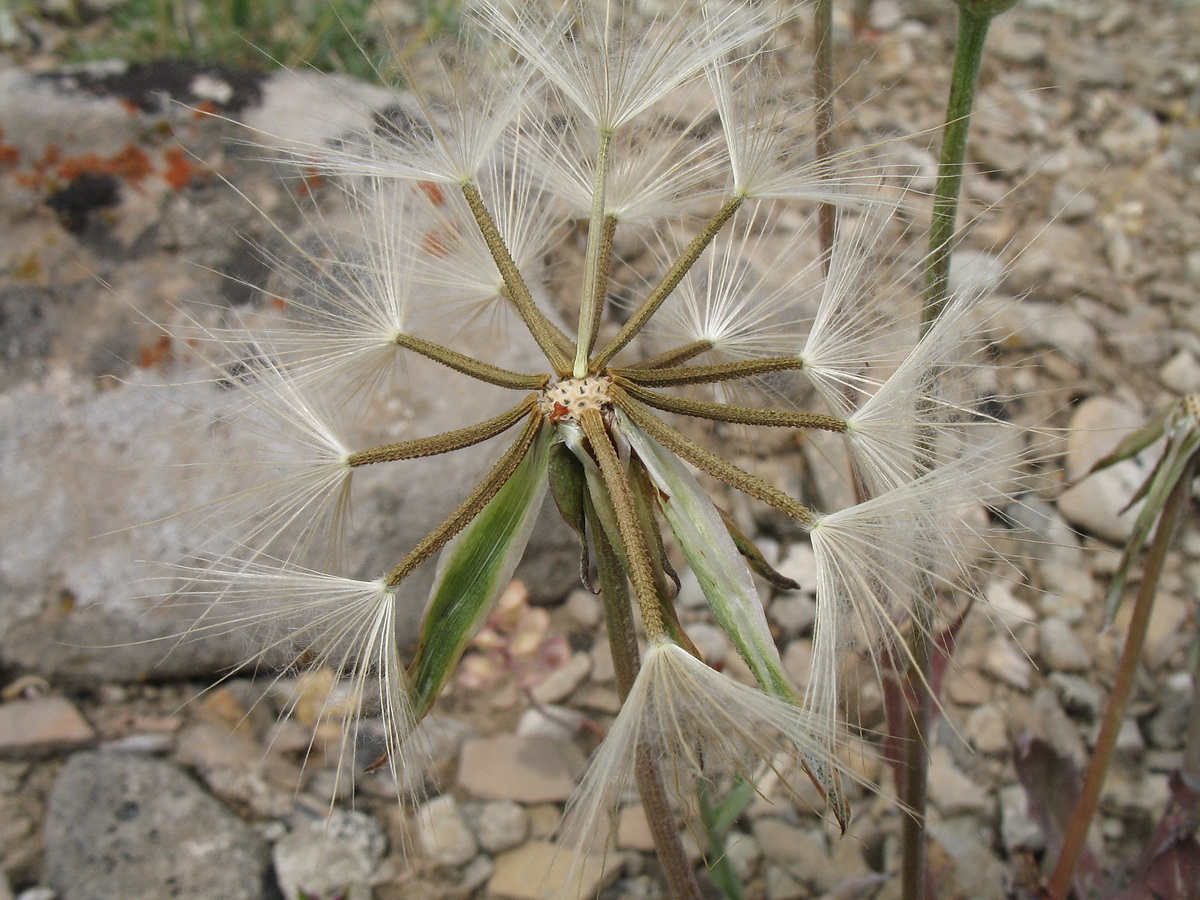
(354, 37)
(1169, 866)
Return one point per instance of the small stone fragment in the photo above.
(560, 683)
(950, 789)
(986, 730)
(1166, 729)
(528, 769)
(967, 686)
(443, 832)
(1060, 649)
(804, 854)
(335, 856)
(1097, 426)
(710, 641)
(1097, 503)
(584, 608)
(1007, 662)
(782, 886)
(633, 831)
(976, 870)
(552, 721)
(40, 727)
(800, 565)
(1181, 373)
(500, 825)
(1018, 829)
(743, 854)
(1130, 743)
(795, 614)
(539, 871)
(1077, 695)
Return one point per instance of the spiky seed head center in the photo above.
(568, 397)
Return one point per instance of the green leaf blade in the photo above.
(473, 570)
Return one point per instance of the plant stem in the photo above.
(724, 876)
(622, 640)
(823, 88)
(1190, 767)
(517, 291)
(669, 282)
(595, 261)
(914, 791)
(1106, 741)
(968, 54)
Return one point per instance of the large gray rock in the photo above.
(126, 826)
(92, 484)
(92, 478)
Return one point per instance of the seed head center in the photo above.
(568, 397)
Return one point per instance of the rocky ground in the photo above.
(125, 773)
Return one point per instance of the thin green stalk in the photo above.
(669, 282)
(677, 375)
(724, 876)
(468, 365)
(1190, 767)
(914, 792)
(1110, 726)
(595, 261)
(622, 641)
(974, 18)
(968, 54)
(539, 326)
(471, 505)
(446, 442)
(737, 415)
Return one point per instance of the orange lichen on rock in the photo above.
(151, 355)
(130, 163)
(180, 170)
(10, 154)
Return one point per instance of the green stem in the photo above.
(1190, 767)
(968, 54)
(914, 792)
(726, 412)
(539, 326)
(669, 282)
(595, 260)
(447, 441)
(1106, 741)
(724, 876)
(742, 368)
(622, 641)
(468, 365)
